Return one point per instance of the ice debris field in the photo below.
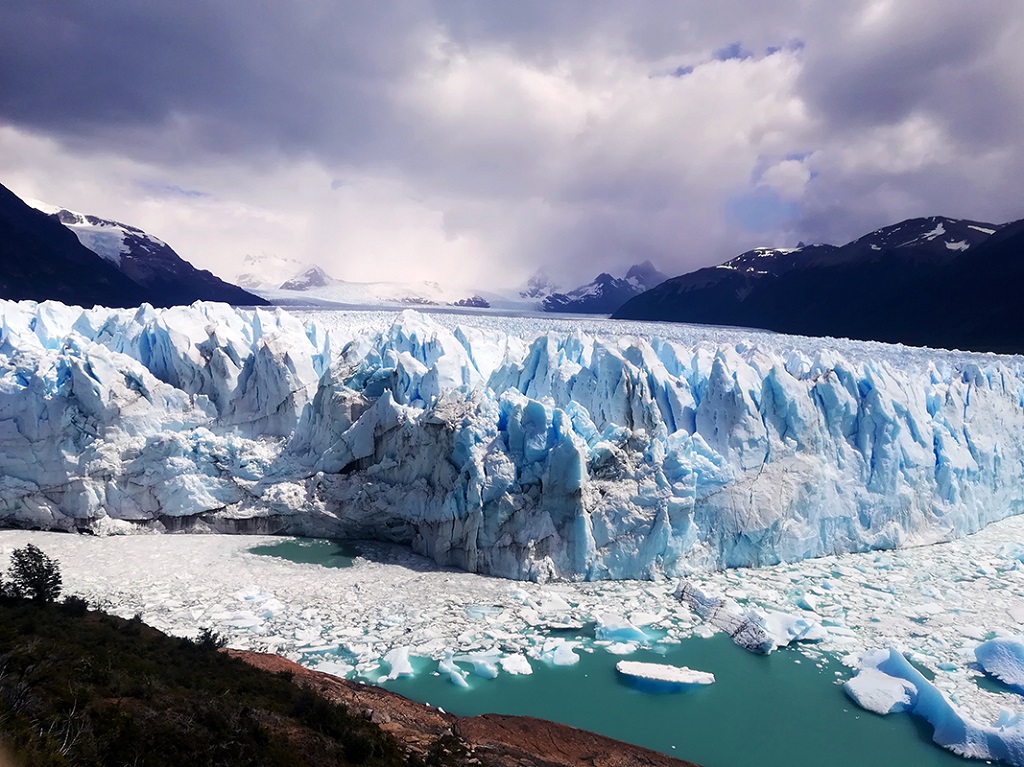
(954, 610)
(524, 448)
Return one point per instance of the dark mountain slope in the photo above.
(40, 259)
(85, 260)
(606, 293)
(930, 282)
(152, 263)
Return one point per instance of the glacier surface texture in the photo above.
(522, 448)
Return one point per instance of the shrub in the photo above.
(75, 606)
(209, 639)
(34, 575)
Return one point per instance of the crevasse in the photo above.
(527, 451)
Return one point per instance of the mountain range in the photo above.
(48, 252)
(606, 293)
(937, 281)
(286, 281)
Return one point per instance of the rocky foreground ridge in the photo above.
(496, 740)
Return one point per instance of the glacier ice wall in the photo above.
(509, 448)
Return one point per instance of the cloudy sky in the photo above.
(473, 141)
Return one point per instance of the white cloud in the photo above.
(788, 179)
(476, 142)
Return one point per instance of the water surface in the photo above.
(779, 710)
(311, 551)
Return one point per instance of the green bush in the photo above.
(34, 575)
(73, 605)
(209, 639)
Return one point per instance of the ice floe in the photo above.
(953, 728)
(1003, 658)
(662, 677)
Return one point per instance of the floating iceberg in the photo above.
(522, 448)
(1003, 658)
(887, 671)
(398, 660)
(455, 674)
(880, 693)
(756, 630)
(659, 677)
(617, 628)
(560, 652)
(516, 664)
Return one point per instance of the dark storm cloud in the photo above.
(948, 60)
(313, 76)
(301, 77)
(539, 131)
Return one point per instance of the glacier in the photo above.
(524, 448)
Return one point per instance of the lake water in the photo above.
(311, 551)
(780, 710)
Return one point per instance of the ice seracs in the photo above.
(503, 446)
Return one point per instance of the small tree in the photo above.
(34, 575)
(209, 639)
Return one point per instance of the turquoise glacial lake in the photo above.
(780, 710)
(310, 551)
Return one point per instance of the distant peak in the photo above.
(313, 277)
(645, 275)
(539, 285)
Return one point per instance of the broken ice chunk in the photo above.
(484, 664)
(659, 677)
(559, 652)
(883, 694)
(1003, 658)
(455, 674)
(398, 659)
(516, 664)
(953, 729)
(618, 629)
(752, 629)
(622, 648)
(334, 668)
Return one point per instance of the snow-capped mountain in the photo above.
(268, 271)
(526, 448)
(148, 261)
(539, 286)
(314, 277)
(926, 281)
(40, 259)
(314, 287)
(606, 293)
(309, 285)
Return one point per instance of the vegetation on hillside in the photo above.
(80, 687)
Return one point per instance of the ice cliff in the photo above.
(526, 449)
